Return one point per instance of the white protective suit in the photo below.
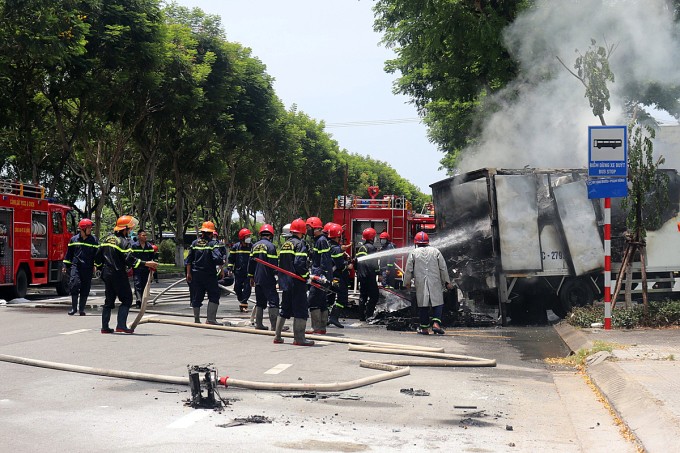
(427, 267)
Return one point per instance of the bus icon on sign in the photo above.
(607, 143)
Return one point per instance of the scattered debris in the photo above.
(204, 377)
(465, 407)
(508, 427)
(320, 396)
(244, 421)
(169, 390)
(418, 392)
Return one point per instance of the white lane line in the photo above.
(75, 331)
(188, 420)
(279, 368)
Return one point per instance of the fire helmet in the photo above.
(368, 234)
(334, 231)
(421, 238)
(285, 231)
(243, 232)
(314, 222)
(125, 221)
(266, 229)
(208, 227)
(85, 223)
(298, 226)
(385, 235)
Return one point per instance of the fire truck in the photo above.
(33, 239)
(391, 213)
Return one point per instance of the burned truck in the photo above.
(525, 240)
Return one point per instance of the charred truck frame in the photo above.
(526, 240)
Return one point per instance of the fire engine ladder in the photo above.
(398, 220)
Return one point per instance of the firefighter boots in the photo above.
(335, 314)
(273, 315)
(278, 339)
(121, 326)
(212, 313)
(317, 326)
(323, 322)
(259, 314)
(197, 315)
(299, 325)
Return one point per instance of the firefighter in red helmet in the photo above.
(293, 258)
(115, 255)
(387, 270)
(337, 300)
(367, 269)
(427, 267)
(263, 278)
(321, 270)
(206, 255)
(79, 265)
(239, 257)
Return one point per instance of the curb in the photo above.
(655, 429)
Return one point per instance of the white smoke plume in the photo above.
(543, 121)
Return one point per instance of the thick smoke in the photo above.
(544, 117)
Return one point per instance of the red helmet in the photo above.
(155, 248)
(314, 222)
(243, 232)
(421, 238)
(208, 227)
(85, 223)
(298, 226)
(327, 226)
(334, 231)
(368, 234)
(266, 229)
(385, 235)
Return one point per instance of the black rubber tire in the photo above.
(20, 287)
(574, 293)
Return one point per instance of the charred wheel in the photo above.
(574, 293)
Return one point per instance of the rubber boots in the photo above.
(323, 322)
(273, 315)
(212, 314)
(121, 326)
(299, 325)
(106, 317)
(336, 312)
(278, 339)
(197, 315)
(315, 316)
(259, 314)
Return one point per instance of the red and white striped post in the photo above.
(607, 264)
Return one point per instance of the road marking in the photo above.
(188, 420)
(279, 368)
(75, 331)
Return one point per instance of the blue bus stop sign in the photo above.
(607, 151)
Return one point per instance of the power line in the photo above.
(373, 122)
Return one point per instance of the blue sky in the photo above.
(326, 59)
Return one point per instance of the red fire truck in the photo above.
(390, 213)
(33, 239)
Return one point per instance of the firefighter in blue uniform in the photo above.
(263, 278)
(387, 269)
(114, 255)
(239, 256)
(322, 272)
(79, 263)
(143, 250)
(202, 263)
(293, 258)
(337, 300)
(367, 269)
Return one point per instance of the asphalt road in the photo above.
(520, 405)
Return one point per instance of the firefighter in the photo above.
(239, 256)
(337, 300)
(79, 263)
(263, 278)
(367, 269)
(202, 263)
(387, 270)
(427, 267)
(144, 251)
(114, 255)
(321, 272)
(293, 258)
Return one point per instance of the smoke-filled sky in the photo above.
(547, 123)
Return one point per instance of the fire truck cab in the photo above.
(34, 237)
(390, 213)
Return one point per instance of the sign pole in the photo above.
(607, 264)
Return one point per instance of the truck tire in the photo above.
(575, 293)
(20, 287)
